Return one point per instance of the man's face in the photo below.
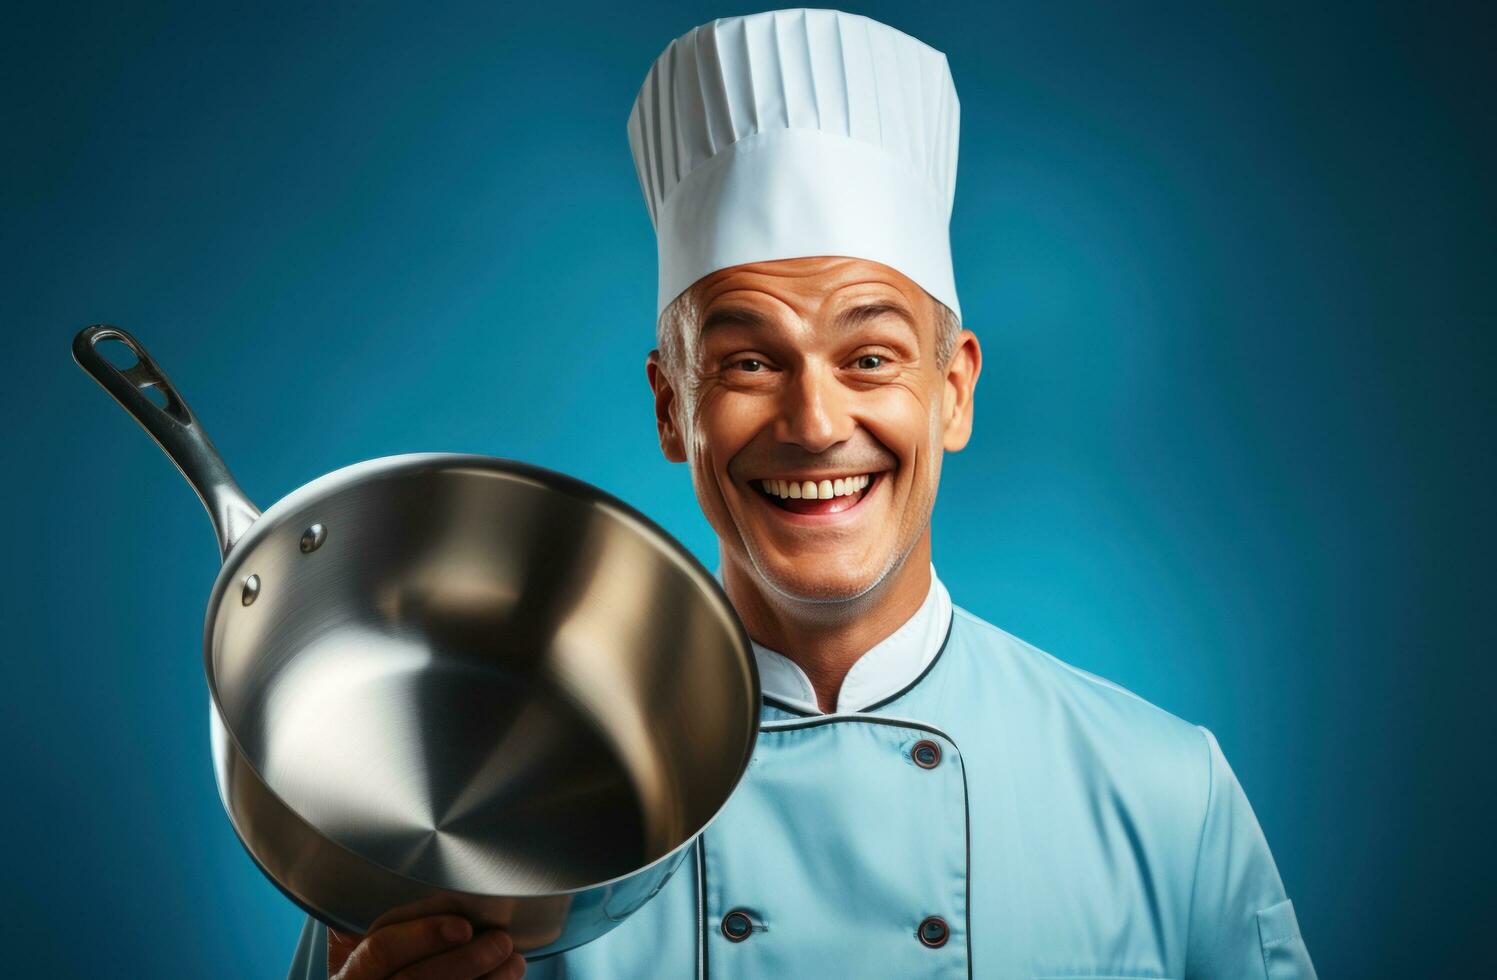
(816, 372)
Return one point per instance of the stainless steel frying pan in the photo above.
(458, 680)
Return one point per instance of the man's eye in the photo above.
(749, 364)
(869, 362)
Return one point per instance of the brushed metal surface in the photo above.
(488, 686)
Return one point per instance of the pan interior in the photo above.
(481, 681)
(449, 769)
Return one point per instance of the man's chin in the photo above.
(816, 579)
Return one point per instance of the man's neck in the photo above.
(825, 639)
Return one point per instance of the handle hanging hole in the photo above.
(118, 353)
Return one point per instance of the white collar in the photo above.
(889, 666)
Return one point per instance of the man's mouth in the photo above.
(819, 495)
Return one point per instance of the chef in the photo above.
(930, 796)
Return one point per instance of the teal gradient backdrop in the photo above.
(1230, 265)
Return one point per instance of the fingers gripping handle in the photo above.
(172, 425)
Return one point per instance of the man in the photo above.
(930, 796)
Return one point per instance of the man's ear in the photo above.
(672, 445)
(961, 378)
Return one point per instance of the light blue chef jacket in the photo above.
(973, 808)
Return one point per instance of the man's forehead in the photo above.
(845, 290)
(816, 273)
(844, 316)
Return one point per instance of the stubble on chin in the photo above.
(809, 583)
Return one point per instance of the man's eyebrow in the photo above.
(846, 320)
(864, 312)
(740, 315)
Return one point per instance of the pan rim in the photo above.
(382, 466)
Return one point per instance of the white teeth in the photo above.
(816, 489)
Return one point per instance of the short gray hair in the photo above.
(676, 332)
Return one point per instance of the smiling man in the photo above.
(930, 796)
(813, 398)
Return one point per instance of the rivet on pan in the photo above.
(251, 590)
(312, 538)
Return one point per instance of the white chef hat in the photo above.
(792, 133)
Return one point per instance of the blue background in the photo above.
(1231, 270)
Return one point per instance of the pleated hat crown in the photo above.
(793, 133)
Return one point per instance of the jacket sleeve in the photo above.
(309, 962)
(1242, 925)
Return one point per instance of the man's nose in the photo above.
(814, 411)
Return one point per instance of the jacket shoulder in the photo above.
(1107, 711)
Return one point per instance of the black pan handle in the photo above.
(173, 426)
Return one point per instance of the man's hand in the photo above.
(431, 947)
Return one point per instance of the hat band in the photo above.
(790, 193)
